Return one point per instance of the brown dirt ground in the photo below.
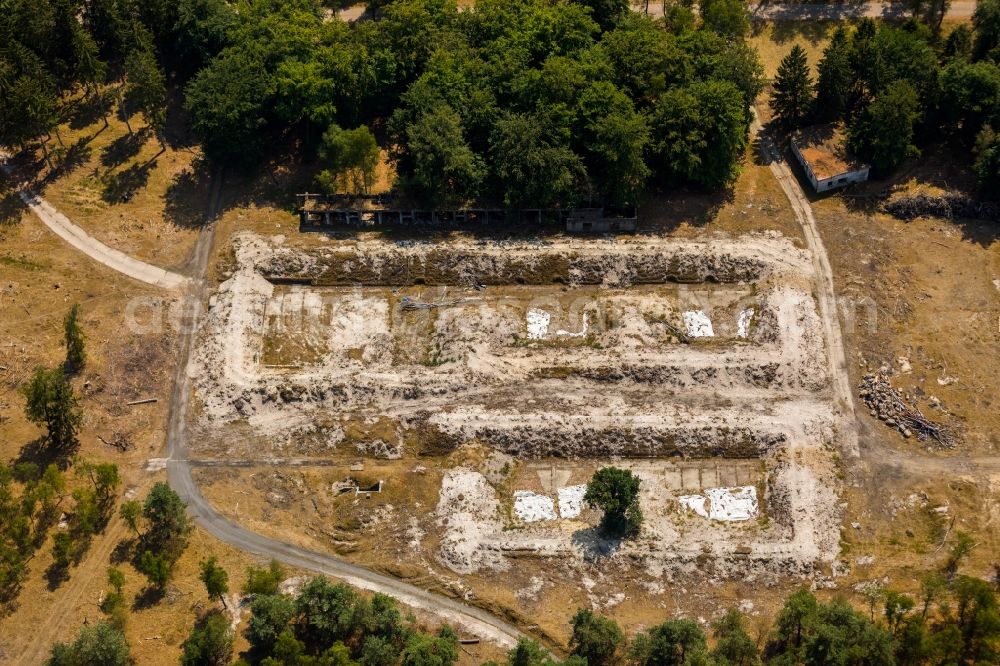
(160, 222)
(937, 306)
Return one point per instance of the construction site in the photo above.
(699, 365)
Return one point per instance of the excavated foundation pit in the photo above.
(648, 354)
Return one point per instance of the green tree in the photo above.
(227, 102)
(156, 568)
(959, 42)
(105, 480)
(443, 169)
(792, 99)
(428, 650)
(265, 581)
(50, 402)
(605, 12)
(883, 133)
(728, 18)
(270, 615)
(533, 162)
(167, 522)
(986, 26)
(529, 652)
(214, 577)
(733, 645)
(210, 642)
(616, 492)
(378, 651)
(96, 645)
(352, 155)
(960, 551)
(987, 164)
(146, 92)
(977, 618)
(677, 642)
(131, 513)
(73, 337)
(328, 613)
(31, 110)
(116, 579)
(833, 86)
(699, 134)
(597, 639)
(616, 138)
(970, 93)
(796, 622)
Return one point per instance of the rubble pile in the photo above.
(886, 403)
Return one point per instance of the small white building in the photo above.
(822, 152)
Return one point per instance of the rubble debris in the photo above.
(727, 504)
(886, 403)
(698, 324)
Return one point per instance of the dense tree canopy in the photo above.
(455, 91)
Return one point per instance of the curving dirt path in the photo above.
(472, 619)
(93, 248)
(826, 295)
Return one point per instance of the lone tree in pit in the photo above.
(616, 492)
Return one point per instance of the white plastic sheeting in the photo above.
(538, 324)
(729, 504)
(571, 501)
(531, 507)
(743, 323)
(698, 324)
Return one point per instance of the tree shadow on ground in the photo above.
(149, 597)
(124, 551)
(187, 196)
(55, 576)
(594, 545)
(40, 453)
(68, 159)
(124, 148)
(121, 187)
(813, 32)
(11, 208)
(85, 111)
(177, 128)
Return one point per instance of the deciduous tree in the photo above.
(616, 492)
(883, 133)
(50, 402)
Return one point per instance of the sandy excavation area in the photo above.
(699, 365)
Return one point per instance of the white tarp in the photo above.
(730, 504)
(743, 323)
(538, 324)
(531, 507)
(571, 501)
(698, 324)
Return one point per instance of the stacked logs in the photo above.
(886, 403)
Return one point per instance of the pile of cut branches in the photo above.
(886, 403)
(947, 205)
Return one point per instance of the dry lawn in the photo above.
(116, 186)
(935, 287)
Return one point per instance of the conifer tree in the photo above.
(833, 87)
(792, 99)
